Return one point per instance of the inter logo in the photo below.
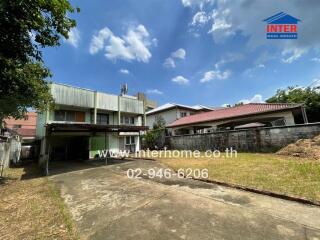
(282, 26)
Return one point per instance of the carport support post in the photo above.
(105, 145)
(95, 108)
(47, 154)
(304, 114)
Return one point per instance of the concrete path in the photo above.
(106, 204)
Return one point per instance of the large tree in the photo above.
(309, 96)
(27, 26)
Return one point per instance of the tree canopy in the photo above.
(27, 26)
(310, 97)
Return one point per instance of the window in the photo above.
(102, 119)
(69, 116)
(130, 140)
(127, 120)
(59, 115)
(183, 114)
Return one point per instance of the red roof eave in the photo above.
(186, 123)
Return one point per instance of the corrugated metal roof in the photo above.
(242, 110)
(173, 105)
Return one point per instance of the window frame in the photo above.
(183, 114)
(61, 115)
(130, 140)
(99, 118)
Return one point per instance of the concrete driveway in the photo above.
(106, 204)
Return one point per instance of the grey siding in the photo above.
(131, 105)
(107, 101)
(67, 95)
(78, 97)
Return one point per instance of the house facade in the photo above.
(240, 117)
(171, 112)
(85, 123)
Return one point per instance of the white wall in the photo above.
(169, 116)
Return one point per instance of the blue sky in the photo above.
(209, 52)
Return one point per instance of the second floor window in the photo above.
(127, 120)
(102, 119)
(69, 116)
(183, 114)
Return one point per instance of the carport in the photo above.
(71, 141)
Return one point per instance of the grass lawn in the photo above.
(291, 176)
(31, 207)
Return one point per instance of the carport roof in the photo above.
(233, 112)
(88, 127)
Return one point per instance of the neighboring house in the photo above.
(26, 127)
(170, 112)
(240, 117)
(85, 123)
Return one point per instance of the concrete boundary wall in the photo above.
(5, 148)
(267, 139)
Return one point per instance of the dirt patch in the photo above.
(303, 148)
(31, 207)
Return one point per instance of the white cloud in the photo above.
(133, 46)
(291, 55)
(200, 18)
(250, 72)
(124, 71)
(200, 3)
(315, 59)
(215, 75)
(98, 41)
(74, 37)
(169, 63)
(257, 98)
(155, 42)
(154, 91)
(180, 80)
(188, 3)
(180, 53)
(220, 20)
(228, 18)
(228, 58)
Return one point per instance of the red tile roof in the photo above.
(232, 112)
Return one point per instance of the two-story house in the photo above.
(84, 123)
(170, 112)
